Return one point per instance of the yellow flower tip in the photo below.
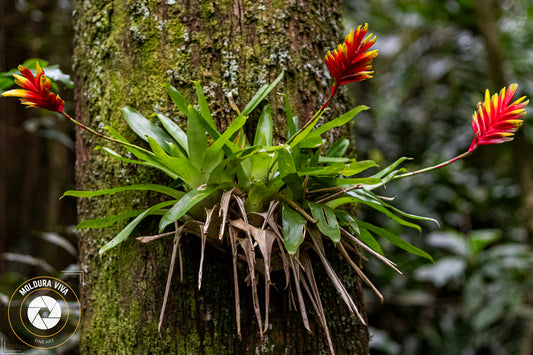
(519, 112)
(525, 103)
(349, 37)
(487, 101)
(39, 70)
(19, 78)
(16, 93)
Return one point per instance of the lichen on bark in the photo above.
(124, 52)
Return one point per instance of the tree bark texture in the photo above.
(124, 52)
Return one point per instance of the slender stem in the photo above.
(92, 131)
(325, 105)
(319, 112)
(425, 170)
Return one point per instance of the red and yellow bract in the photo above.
(35, 90)
(497, 119)
(350, 61)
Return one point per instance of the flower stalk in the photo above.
(100, 135)
(434, 167)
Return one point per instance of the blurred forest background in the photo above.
(436, 59)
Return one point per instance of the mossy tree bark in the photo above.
(124, 52)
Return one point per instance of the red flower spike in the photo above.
(35, 90)
(351, 62)
(496, 119)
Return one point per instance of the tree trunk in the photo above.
(124, 52)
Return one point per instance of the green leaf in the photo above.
(369, 196)
(327, 221)
(339, 121)
(109, 221)
(346, 219)
(145, 128)
(117, 156)
(288, 173)
(304, 132)
(377, 206)
(261, 165)
(357, 167)
(147, 158)
(221, 141)
(30, 63)
(183, 168)
(326, 159)
(350, 182)
(174, 130)
(311, 142)
(189, 200)
(260, 95)
(293, 229)
(333, 169)
(292, 121)
(338, 149)
(367, 238)
(125, 233)
(177, 152)
(286, 162)
(6, 82)
(179, 100)
(263, 133)
(139, 187)
(196, 138)
(390, 169)
(394, 239)
(204, 107)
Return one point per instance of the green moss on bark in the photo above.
(124, 52)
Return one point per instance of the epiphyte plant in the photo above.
(272, 207)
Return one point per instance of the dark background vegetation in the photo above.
(436, 59)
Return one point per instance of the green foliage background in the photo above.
(432, 69)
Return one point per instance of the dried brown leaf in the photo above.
(233, 239)
(386, 261)
(359, 271)
(296, 272)
(314, 295)
(316, 237)
(248, 248)
(202, 254)
(223, 211)
(177, 237)
(149, 238)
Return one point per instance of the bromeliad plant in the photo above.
(270, 205)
